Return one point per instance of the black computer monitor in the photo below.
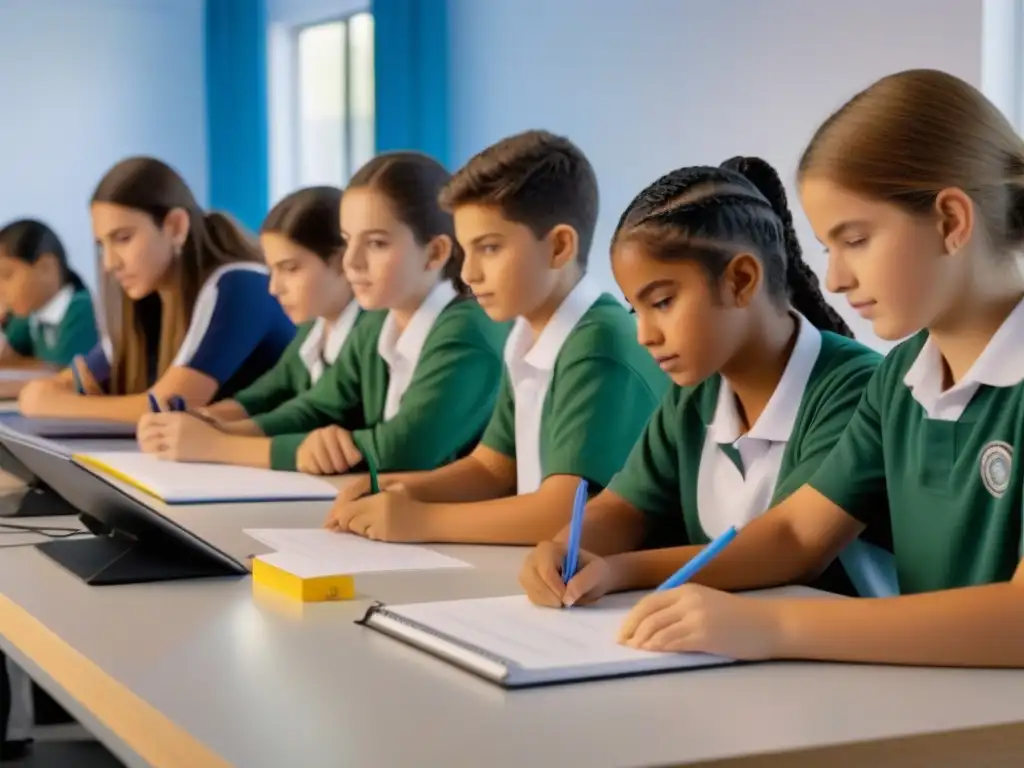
(133, 543)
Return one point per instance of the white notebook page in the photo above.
(536, 638)
(181, 482)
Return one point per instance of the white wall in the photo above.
(649, 85)
(86, 83)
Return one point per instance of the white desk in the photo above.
(203, 674)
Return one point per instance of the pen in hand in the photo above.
(572, 551)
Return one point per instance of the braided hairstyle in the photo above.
(709, 214)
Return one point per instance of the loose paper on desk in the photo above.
(179, 483)
(312, 552)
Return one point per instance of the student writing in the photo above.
(916, 188)
(186, 300)
(767, 378)
(49, 312)
(417, 378)
(302, 245)
(577, 388)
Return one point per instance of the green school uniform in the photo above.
(314, 349)
(449, 381)
(945, 461)
(574, 401)
(62, 329)
(695, 463)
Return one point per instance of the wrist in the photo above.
(781, 627)
(429, 519)
(624, 573)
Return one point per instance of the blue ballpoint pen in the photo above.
(572, 553)
(76, 377)
(154, 404)
(705, 556)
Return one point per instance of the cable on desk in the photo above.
(49, 531)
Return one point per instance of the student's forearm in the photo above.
(243, 451)
(241, 428)
(463, 481)
(611, 525)
(515, 520)
(226, 410)
(127, 409)
(970, 627)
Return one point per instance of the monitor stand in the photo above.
(113, 558)
(38, 500)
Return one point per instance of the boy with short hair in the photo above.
(577, 390)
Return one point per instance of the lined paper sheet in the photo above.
(534, 637)
(312, 552)
(180, 483)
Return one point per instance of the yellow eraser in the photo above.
(307, 590)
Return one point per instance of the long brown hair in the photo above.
(154, 188)
(412, 182)
(912, 134)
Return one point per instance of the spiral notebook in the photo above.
(515, 644)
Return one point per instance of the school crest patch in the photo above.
(996, 464)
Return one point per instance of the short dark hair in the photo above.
(28, 240)
(708, 214)
(536, 179)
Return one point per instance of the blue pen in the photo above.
(154, 404)
(572, 553)
(176, 403)
(705, 556)
(76, 377)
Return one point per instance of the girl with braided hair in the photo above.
(767, 378)
(916, 188)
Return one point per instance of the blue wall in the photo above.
(86, 84)
(411, 76)
(236, 106)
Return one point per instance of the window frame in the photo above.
(284, 114)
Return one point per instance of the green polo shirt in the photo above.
(56, 334)
(661, 476)
(603, 388)
(442, 413)
(944, 461)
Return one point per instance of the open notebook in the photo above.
(516, 644)
(68, 429)
(175, 483)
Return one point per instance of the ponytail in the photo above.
(226, 240)
(73, 279)
(803, 284)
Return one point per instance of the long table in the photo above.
(209, 673)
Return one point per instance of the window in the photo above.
(334, 101)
